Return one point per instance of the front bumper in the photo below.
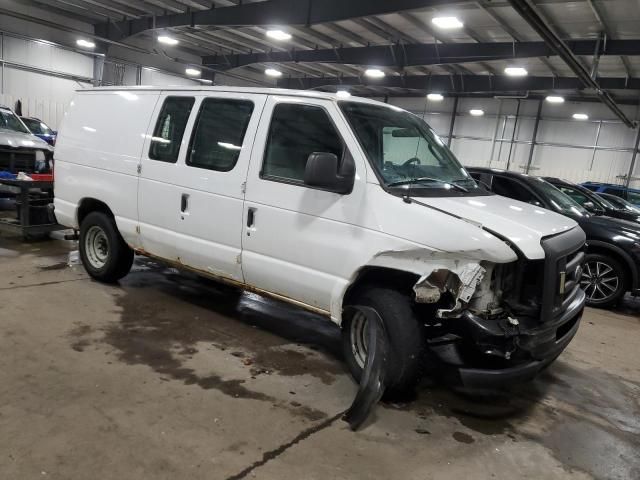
(505, 354)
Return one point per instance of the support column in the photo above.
(634, 157)
(453, 121)
(534, 137)
(495, 131)
(513, 135)
(98, 70)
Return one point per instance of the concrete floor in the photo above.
(170, 377)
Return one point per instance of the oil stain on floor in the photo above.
(267, 336)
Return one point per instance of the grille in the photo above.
(17, 160)
(562, 270)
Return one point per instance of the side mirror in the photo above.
(591, 207)
(323, 171)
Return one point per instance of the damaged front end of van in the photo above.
(489, 325)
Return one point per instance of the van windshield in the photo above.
(9, 121)
(406, 153)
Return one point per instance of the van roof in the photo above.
(257, 90)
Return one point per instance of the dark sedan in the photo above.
(612, 263)
(621, 203)
(594, 202)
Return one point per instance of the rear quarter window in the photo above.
(169, 130)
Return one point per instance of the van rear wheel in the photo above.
(105, 255)
(403, 331)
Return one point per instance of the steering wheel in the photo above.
(412, 160)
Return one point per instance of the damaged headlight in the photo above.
(459, 286)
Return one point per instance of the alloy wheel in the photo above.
(599, 281)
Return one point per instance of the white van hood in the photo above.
(15, 139)
(523, 224)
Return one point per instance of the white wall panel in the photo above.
(561, 137)
(42, 55)
(154, 77)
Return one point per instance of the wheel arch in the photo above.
(595, 246)
(88, 205)
(398, 279)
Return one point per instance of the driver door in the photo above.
(297, 239)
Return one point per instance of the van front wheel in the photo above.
(105, 255)
(403, 331)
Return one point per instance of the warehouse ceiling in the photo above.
(334, 43)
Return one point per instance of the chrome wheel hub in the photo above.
(599, 281)
(96, 247)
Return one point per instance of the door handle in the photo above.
(184, 202)
(251, 216)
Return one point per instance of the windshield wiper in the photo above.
(427, 179)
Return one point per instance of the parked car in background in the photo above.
(20, 150)
(620, 203)
(631, 195)
(40, 129)
(342, 207)
(612, 263)
(593, 202)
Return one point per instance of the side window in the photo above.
(513, 189)
(167, 136)
(633, 197)
(218, 133)
(297, 131)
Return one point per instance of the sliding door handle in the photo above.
(251, 216)
(184, 202)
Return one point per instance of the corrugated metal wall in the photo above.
(44, 77)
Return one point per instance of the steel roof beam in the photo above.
(418, 54)
(463, 83)
(535, 21)
(271, 12)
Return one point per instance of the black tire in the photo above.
(404, 333)
(601, 291)
(105, 255)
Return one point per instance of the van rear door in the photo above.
(158, 190)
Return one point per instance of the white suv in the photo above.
(323, 203)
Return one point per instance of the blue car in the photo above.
(40, 129)
(631, 195)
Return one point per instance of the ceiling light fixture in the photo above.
(167, 40)
(278, 35)
(435, 97)
(476, 112)
(272, 72)
(516, 71)
(581, 116)
(447, 22)
(374, 73)
(554, 99)
(85, 43)
(193, 72)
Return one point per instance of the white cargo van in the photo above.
(324, 203)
